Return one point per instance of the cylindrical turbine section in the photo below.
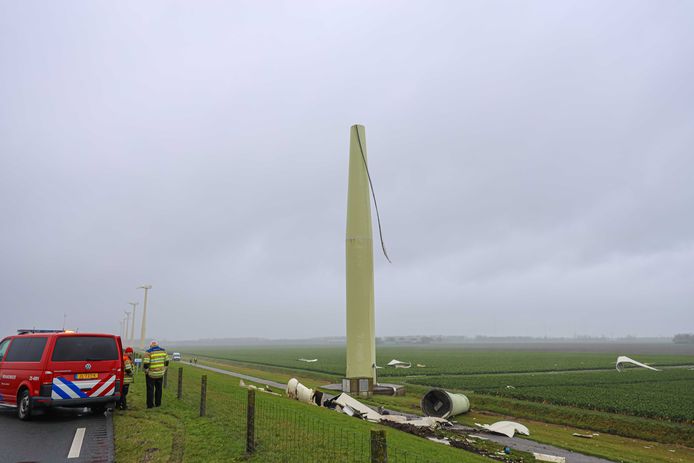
(444, 404)
(361, 325)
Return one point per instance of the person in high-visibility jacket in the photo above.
(154, 362)
(128, 377)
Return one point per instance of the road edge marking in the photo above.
(76, 446)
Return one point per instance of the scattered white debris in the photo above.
(432, 422)
(399, 364)
(308, 360)
(394, 418)
(304, 394)
(291, 388)
(622, 359)
(443, 441)
(296, 390)
(550, 458)
(507, 428)
(266, 389)
(585, 436)
(510, 387)
(421, 365)
(344, 400)
(247, 386)
(350, 406)
(347, 410)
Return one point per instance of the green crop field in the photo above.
(665, 395)
(439, 360)
(584, 380)
(575, 386)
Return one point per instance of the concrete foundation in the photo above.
(379, 389)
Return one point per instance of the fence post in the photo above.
(166, 377)
(250, 422)
(203, 395)
(379, 447)
(179, 394)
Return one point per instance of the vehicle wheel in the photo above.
(24, 406)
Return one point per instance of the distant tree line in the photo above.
(408, 339)
(683, 338)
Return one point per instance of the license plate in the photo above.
(87, 376)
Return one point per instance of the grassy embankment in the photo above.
(639, 433)
(286, 430)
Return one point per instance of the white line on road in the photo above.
(76, 447)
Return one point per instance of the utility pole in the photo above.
(132, 329)
(64, 318)
(144, 316)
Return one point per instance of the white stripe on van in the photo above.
(104, 387)
(86, 383)
(65, 388)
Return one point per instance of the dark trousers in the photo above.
(124, 397)
(153, 392)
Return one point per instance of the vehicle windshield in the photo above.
(85, 348)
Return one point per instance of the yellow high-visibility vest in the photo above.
(155, 363)
(128, 374)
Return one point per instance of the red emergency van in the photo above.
(40, 369)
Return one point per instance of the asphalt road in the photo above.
(526, 445)
(61, 435)
(241, 376)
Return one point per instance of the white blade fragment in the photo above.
(549, 458)
(622, 359)
(507, 428)
(344, 400)
(399, 364)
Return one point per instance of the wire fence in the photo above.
(301, 438)
(280, 429)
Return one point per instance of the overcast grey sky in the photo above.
(533, 163)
